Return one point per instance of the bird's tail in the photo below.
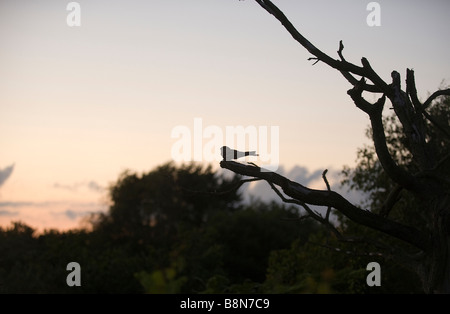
(252, 153)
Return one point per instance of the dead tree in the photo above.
(431, 259)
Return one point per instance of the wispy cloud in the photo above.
(5, 173)
(8, 213)
(90, 185)
(77, 210)
(304, 176)
(77, 206)
(67, 187)
(71, 214)
(94, 186)
(75, 214)
(61, 215)
(16, 204)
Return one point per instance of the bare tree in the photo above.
(431, 248)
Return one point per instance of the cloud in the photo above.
(16, 204)
(8, 213)
(65, 186)
(71, 214)
(61, 215)
(80, 209)
(94, 186)
(303, 175)
(90, 185)
(5, 173)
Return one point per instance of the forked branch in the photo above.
(331, 199)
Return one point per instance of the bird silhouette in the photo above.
(229, 154)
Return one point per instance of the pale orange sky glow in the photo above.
(78, 105)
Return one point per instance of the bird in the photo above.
(228, 153)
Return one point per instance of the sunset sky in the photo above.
(79, 105)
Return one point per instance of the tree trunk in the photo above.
(435, 272)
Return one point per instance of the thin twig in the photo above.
(324, 176)
(442, 92)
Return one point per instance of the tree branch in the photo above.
(310, 212)
(436, 94)
(420, 108)
(351, 79)
(345, 67)
(324, 177)
(412, 122)
(375, 111)
(411, 90)
(335, 200)
(410, 117)
(391, 200)
(441, 128)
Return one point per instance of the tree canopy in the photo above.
(173, 229)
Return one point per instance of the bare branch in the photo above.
(411, 120)
(297, 202)
(436, 94)
(314, 58)
(420, 108)
(356, 94)
(341, 65)
(391, 200)
(374, 77)
(426, 184)
(324, 177)
(311, 214)
(341, 48)
(335, 200)
(350, 78)
(441, 128)
(412, 123)
(379, 138)
(412, 91)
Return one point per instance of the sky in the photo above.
(81, 104)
